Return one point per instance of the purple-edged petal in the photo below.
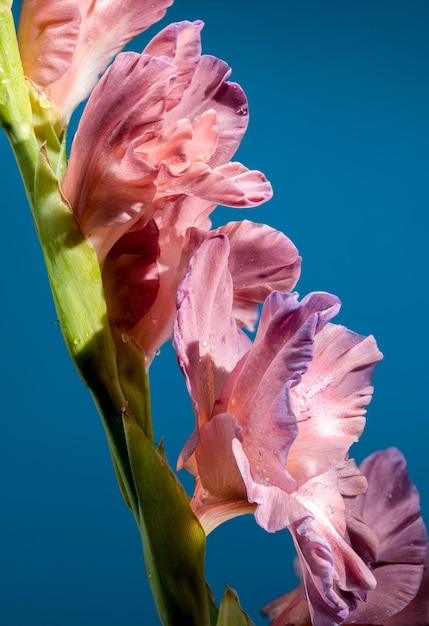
(257, 391)
(391, 508)
(104, 28)
(335, 577)
(330, 400)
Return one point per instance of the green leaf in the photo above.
(173, 540)
(230, 611)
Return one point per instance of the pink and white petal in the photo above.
(47, 36)
(280, 354)
(205, 139)
(180, 43)
(212, 512)
(206, 339)
(110, 121)
(331, 398)
(106, 27)
(275, 363)
(210, 90)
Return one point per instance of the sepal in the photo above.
(230, 611)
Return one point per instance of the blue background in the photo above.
(338, 94)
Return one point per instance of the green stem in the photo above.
(15, 108)
(71, 263)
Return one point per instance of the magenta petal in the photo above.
(130, 276)
(391, 508)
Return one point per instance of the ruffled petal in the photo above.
(108, 185)
(231, 185)
(290, 609)
(211, 90)
(257, 391)
(179, 43)
(330, 400)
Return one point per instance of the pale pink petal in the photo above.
(106, 26)
(335, 577)
(391, 508)
(262, 260)
(230, 185)
(221, 493)
(207, 345)
(330, 400)
(48, 32)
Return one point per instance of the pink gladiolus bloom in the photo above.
(149, 163)
(158, 126)
(390, 508)
(143, 271)
(275, 421)
(65, 45)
